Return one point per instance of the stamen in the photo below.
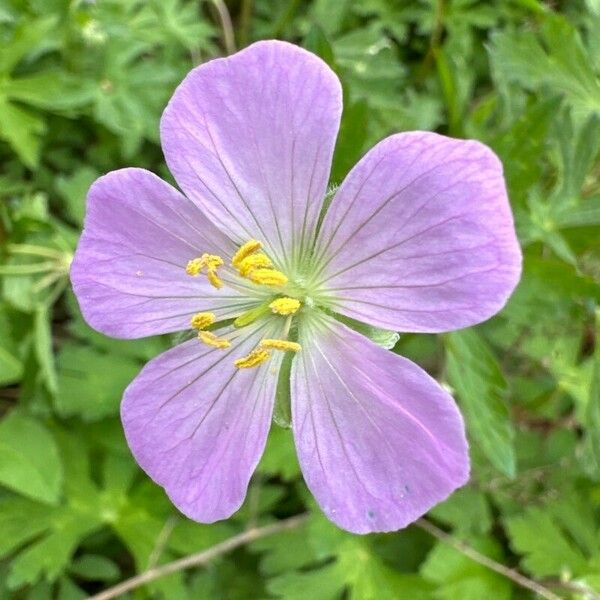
(255, 358)
(202, 320)
(246, 250)
(194, 267)
(212, 261)
(285, 306)
(214, 279)
(283, 345)
(255, 261)
(267, 277)
(210, 339)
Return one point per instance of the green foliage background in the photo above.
(82, 87)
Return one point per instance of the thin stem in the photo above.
(161, 541)
(47, 281)
(486, 561)
(245, 19)
(226, 26)
(201, 558)
(42, 267)
(33, 250)
(254, 501)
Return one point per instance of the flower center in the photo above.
(251, 264)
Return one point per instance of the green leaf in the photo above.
(467, 510)
(591, 459)
(31, 35)
(458, 576)
(546, 544)
(21, 129)
(11, 366)
(476, 376)
(49, 90)
(43, 347)
(29, 459)
(316, 42)
(84, 388)
(74, 189)
(21, 520)
(282, 412)
(382, 337)
(357, 569)
(95, 568)
(557, 61)
(280, 458)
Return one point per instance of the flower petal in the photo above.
(198, 425)
(379, 441)
(420, 236)
(129, 269)
(250, 138)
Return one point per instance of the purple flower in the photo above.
(418, 238)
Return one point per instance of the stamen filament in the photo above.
(251, 315)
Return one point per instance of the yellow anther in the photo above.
(284, 345)
(202, 320)
(210, 339)
(255, 261)
(214, 279)
(212, 261)
(285, 306)
(246, 250)
(267, 277)
(255, 358)
(194, 267)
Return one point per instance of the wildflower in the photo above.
(418, 238)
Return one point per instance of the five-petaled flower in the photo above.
(419, 237)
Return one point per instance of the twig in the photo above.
(201, 558)
(226, 26)
(486, 561)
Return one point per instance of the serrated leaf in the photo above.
(476, 376)
(29, 459)
(27, 37)
(548, 551)
(561, 64)
(467, 510)
(49, 90)
(457, 576)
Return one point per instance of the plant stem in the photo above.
(201, 558)
(486, 561)
(226, 26)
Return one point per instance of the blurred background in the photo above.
(82, 87)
